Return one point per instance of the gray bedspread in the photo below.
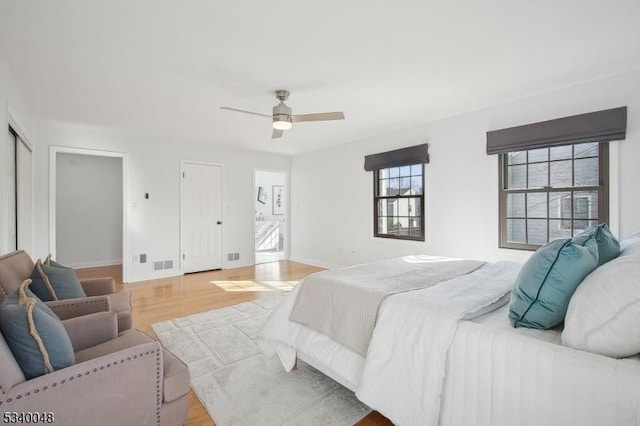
(343, 303)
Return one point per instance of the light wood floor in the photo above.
(168, 298)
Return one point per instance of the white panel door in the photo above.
(201, 214)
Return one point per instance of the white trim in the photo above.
(53, 151)
(94, 264)
(223, 263)
(315, 262)
(14, 122)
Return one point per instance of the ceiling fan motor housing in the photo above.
(282, 112)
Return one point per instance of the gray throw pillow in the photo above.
(52, 283)
(38, 340)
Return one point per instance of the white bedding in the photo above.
(494, 374)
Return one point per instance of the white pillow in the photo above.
(604, 312)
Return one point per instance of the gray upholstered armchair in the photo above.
(125, 379)
(17, 266)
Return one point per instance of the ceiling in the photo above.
(163, 68)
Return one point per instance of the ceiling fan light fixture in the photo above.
(282, 124)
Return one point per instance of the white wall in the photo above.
(13, 105)
(331, 211)
(88, 210)
(153, 166)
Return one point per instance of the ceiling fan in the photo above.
(282, 117)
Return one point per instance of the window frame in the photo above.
(602, 189)
(377, 197)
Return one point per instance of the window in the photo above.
(551, 193)
(399, 202)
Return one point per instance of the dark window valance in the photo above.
(396, 158)
(600, 126)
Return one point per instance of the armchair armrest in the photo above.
(129, 383)
(71, 308)
(91, 330)
(98, 286)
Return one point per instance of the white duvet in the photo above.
(402, 375)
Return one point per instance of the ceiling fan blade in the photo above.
(247, 112)
(277, 133)
(319, 116)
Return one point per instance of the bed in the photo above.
(448, 355)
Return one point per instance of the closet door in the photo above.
(12, 231)
(24, 186)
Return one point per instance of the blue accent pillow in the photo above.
(53, 283)
(35, 335)
(547, 281)
(608, 245)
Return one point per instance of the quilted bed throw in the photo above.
(343, 303)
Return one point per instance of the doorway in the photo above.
(270, 211)
(87, 217)
(201, 216)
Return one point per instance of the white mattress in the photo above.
(497, 375)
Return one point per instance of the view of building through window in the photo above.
(400, 202)
(551, 193)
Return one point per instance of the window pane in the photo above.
(403, 229)
(561, 174)
(558, 229)
(415, 225)
(585, 205)
(537, 231)
(382, 207)
(416, 170)
(586, 172)
(536, 155)
(416, 185)
(515, 205)
(414, 207)
(405, 171)
(394, 184)
(391, 225)
(403, 207)
(581, 225)
(560, 205)
(561, 152)
(586, 150)
(516, 231)
(517, 177)
(383, 173)
(383, 187)
(537, 205)
(405, 185)
(394, 172)
(519, 157)
(392, 208)
(538, 175)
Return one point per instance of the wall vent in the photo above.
(168, 264)
(236, 256)
(143, 258)
(157, 266)
(230, 256)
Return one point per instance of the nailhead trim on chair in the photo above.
(102, 367)
(86, 302)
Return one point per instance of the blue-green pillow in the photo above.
(608, 245)
(53, 283)
(547, 281)
(35, 335)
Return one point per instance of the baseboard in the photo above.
(93, 263)
(315, 262)
(155, 275)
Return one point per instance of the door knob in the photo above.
(219, 222)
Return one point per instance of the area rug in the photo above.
(239, 384)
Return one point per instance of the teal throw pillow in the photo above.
(608, 245)
(547, 281)
(52, 283)
(38, 340)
